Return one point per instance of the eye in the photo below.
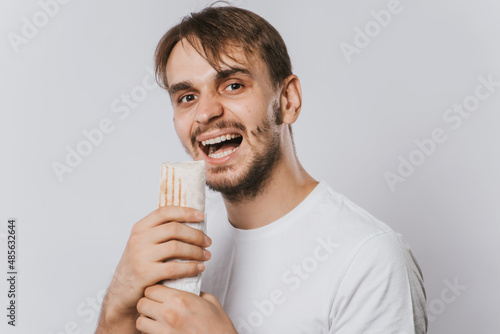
(188, 98)
(234, 86)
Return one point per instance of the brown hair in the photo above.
(214, 31)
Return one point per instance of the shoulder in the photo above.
(381, 286)
(386, 254)
(336, 214)
(380, 280)
(368, 241)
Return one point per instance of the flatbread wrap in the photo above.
(183, 184)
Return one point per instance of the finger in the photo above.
(172, 213)
(160, 293)
(179, 231)
(211, 299)
(174, 269)
(175, 249)
(148, 307)
(147, 326)
(208, 296)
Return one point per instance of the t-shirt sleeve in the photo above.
(382, 290)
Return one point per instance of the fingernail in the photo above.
(198, 214)
(208, 241)
(201, 266)
(206, 254)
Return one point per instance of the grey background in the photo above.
(357, 119)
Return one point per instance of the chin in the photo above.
(223, 177)
(246, 182)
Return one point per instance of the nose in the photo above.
(208, 109)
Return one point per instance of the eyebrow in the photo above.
(185, 85)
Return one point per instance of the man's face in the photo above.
(227, 118)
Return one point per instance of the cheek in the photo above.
(250, 112)
(237, 108)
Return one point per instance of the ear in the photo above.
(291, 99)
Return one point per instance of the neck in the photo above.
(288, 186)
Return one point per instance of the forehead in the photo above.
(186, 63)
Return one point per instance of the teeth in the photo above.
(223, 154)
(219, 139)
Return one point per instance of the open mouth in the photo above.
(221, 146)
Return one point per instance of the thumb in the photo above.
(210, 298)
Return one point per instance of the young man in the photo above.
(289, 254)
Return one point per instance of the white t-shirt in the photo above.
(325, 267)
